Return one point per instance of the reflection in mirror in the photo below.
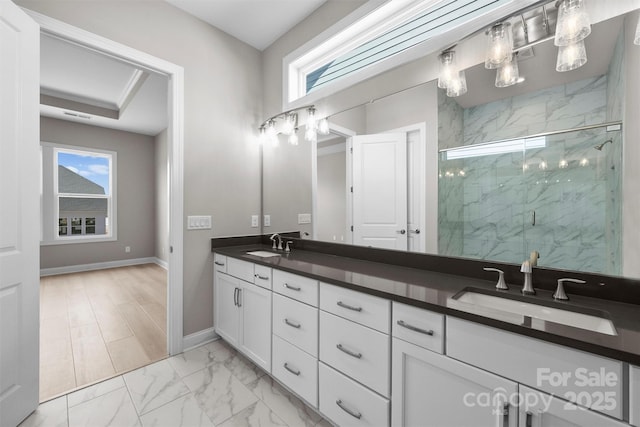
(543, 147)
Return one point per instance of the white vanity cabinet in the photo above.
(355, 357)
(540, 409)
(634, 395)
(432, 390)
(242, 313)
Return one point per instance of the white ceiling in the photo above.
(70, 72)
(256, 22)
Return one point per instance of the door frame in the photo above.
(175, 153)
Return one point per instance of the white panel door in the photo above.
(19, 213)
(380, 190)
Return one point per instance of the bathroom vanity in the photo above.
(374, 337)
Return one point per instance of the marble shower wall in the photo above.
(486, 203)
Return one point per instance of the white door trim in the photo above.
(175, 150)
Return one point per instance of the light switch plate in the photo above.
(267, 221)
(199, 222)
(304, 218)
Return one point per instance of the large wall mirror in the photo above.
(496, 173)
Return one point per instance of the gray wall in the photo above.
(135, 194)
(223, 80)
(161, 170)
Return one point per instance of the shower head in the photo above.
(599, 147)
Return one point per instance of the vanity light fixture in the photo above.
(457, 85)
(499, 45)
(286, 123)
(563, 164)
(450, 77)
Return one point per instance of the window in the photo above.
(378, 37)
(78, 194)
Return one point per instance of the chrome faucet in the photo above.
(528, 278)
(273, 238)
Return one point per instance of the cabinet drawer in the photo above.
(418, 326)
(555, 369)
(367, 310)
(355, 350)
(296, 322)
(296, 287)
(220, 263)
(295, 369)
(262, 276)
(634, 395)
(347, 403)
(241, 269)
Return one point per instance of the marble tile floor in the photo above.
(211, 385)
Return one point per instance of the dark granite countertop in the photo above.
(434, 291)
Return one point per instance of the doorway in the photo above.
(173, 241)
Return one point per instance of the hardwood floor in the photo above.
(97, 324)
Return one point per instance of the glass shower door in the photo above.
(572, 210)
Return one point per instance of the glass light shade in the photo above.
(311, 119)
(636, 39)
(447, 69)
(573, 23)
(571, 57)
(458, 85)
(289, 123)
(508, 74)
(499, 45)
(293, 138)
(311, 135)
(323, 127)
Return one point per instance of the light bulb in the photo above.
(311, 135)
(563, 164)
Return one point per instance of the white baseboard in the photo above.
(97, 266)
(162, 263)
(198, 338)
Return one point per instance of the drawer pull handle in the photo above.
(414, 328)
(262, 277)
(354, 414)
(293, 371)
(349, 352)
(295, 325)
(221, 264)
(293, 288)
(349, 307)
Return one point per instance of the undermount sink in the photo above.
(262, 254)
(510, 309)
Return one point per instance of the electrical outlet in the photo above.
(267, 221)
(304, 218)
(255, 222)
(127, 249)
